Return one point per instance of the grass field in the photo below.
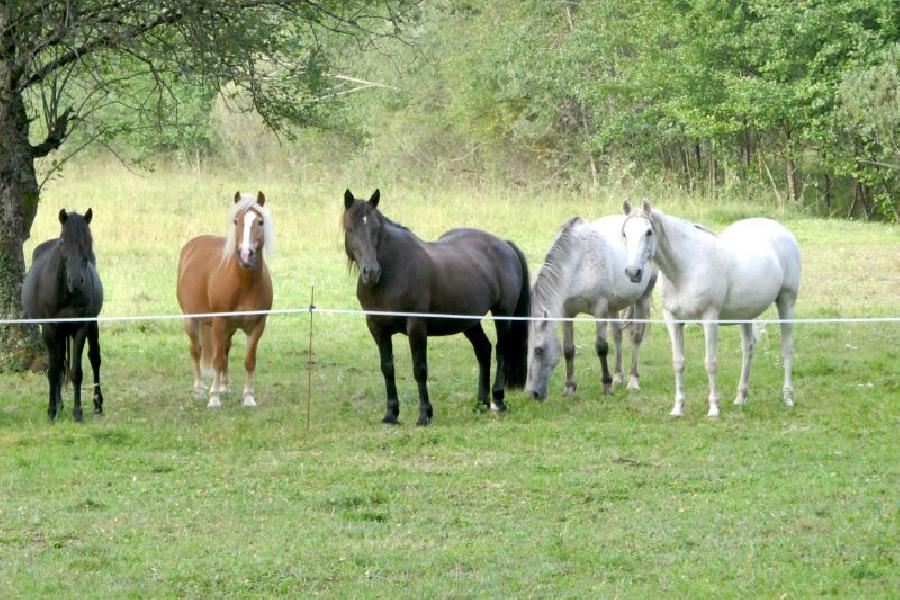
(588, 496)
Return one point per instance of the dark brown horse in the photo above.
(226, 274)
(465, 272)
(63, 283)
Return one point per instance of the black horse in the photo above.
(63, 283)
(465, 272)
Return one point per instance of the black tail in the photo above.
(517, 354)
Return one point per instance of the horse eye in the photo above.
(235, 221)
(260, 222)
(649, 232)
(538, 350)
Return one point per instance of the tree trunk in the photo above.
(583, 110)
(790, 175)
(711, 168)
(20, 346)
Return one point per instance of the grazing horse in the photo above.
(584, 273)
(63, 283)
(227, 274)
(464, 272)
(735, 275)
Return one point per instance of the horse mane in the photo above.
(249, 201)
(548, 282)
(76, 231)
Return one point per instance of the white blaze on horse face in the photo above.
(245, 246)
(639, 243)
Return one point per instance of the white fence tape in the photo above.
(388, 313)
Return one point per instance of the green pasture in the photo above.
(591, 496)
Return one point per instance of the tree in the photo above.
(62, 61)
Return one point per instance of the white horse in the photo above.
(736, 275)
(584, 272)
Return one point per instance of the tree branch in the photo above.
(107, 40)
(55, 136)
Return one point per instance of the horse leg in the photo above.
(225, 381)
(249, 396)
(785, 303)
(711, 334)
(676, 337)
(747, 343)
(418, 345)
(641, 311)
(602, 347)
(618, 375)
(219, 336)
(93, 340)
(192, 329)
(386, 352)
(498, 392)
(482, 347)
(77, 371)
(568, 329)
(56, 358)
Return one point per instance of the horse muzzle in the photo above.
(246, 258)
(370, 274)
(536, 394)
(634, 274)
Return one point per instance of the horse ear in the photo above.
(237, 196)
(88, 216)
(348, 199)
(376, 196)
(260, 198)
(626, 206)
(62, 216)
(646, 206)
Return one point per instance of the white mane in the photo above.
(548, 283)
(249, 201)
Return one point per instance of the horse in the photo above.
(583, 273)
(63, 283)
(464, 272)
(736, 276)
(227, 274)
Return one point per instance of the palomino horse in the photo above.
(226, 274)
(465, 272)
(63, 283)
(584, 273)
(736, 275)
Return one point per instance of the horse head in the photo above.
(362, 227)
(251, 229)
(640, 239)
(77, 247)
(544, 353)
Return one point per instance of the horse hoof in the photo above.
(713, 413)
(677, 412)
(98, 411)
(390, 420)
(78, 416)
(249, 400)
(633, 386)
(423, 421)
(214, 402)
(618, 379)
(199, 392)
(570, 389)
(740, 401)
(498, 406)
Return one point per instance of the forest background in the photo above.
(790, 104)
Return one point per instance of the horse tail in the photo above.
(517, 350)
(206, 346)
